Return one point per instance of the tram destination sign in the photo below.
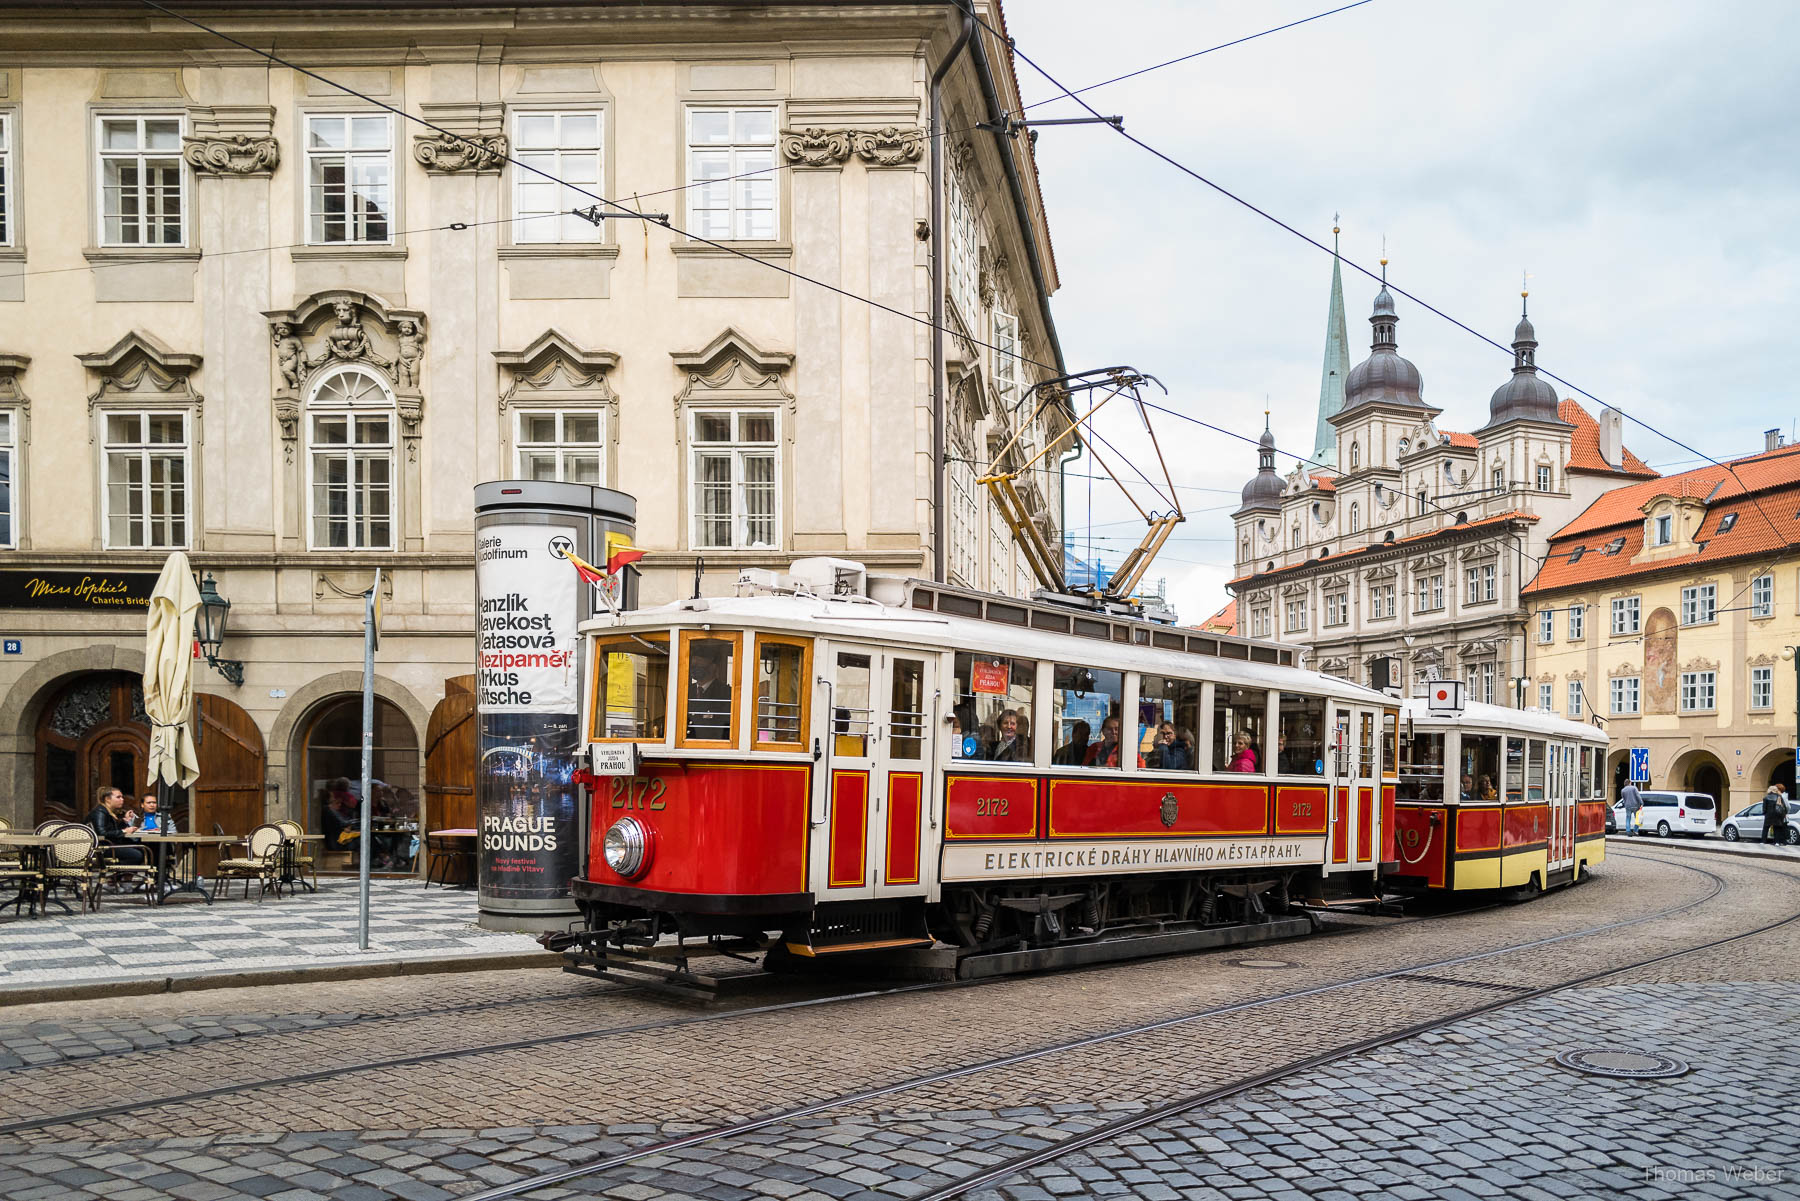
(89, 591)
(992, 862)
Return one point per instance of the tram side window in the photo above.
(631, 688)
(994, 695)
(852, 715)
(1169, 723)
(1515, 770)
(711, 663)
(1480, 767)
(1390, 743)
(1300, 742)
(780, 693)
(1085, 717)
(1239, 718)
(1534, 770)
(1422, 768)
(906, 710)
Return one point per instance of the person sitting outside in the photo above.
(1073, 753)
(342, 820)
(154, 821)
(112, 822)
(1243, 755)
(1009, 743)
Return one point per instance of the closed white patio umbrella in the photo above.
(169, 674)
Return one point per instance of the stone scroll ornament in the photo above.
(815, 147)
(889, 147)
(239, 154)
(447, 154)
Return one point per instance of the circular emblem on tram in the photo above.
(1171, 809)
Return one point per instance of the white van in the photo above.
(1666, 814)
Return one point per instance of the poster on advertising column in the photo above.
(528, 607)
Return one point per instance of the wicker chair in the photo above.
(15, 875)
(303, 862)
(74, 863)
(51, 826)
(261, 863)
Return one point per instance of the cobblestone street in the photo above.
(433, 1087)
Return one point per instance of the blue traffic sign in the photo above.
(1640, 765)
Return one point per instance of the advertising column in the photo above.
(529, 601)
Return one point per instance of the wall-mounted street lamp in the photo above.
(209, 628)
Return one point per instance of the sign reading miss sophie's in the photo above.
(94, 591)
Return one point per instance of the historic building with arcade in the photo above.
(1400, 540)
(263, 314)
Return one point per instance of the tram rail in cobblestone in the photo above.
(532, 1184)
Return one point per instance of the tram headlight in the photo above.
(627, 847)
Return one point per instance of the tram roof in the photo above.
(865, 618)
(1499, 717)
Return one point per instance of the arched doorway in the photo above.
(1620, 773)
(93, 732)
(1701, 771)
(1777, 767)
(450, 758)
(331, 744)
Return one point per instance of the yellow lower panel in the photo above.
(1478, 873)
(1516, 868)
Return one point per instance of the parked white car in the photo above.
(1747, 824)
(1666, 814)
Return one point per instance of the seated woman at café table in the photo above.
(113, 823)
(154, 821)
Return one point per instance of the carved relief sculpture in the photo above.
(446, 154)
(815, 147)
(290, 356)
(348, 341)
(236, 154)
(410, 352)
(889, 147)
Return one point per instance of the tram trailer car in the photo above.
(875, 763)
(1494, 798)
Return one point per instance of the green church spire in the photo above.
(1337, 362)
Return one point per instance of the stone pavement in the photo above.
(128, 941)
(1711, 844)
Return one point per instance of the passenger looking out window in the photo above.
(989, 689)
(1105, 753)
(1480, 767)
(1173, 749)
(1168, 715)
(1083, 700)
(1240, 716)
(1300, 741)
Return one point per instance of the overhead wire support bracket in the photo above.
(593, 216)
(1010, 125)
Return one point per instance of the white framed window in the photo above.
(1431, 592)
(1577, 622)
(1480, 581)
(1699, 604)
(561, 444)
(965, 519)
(141, 180)
(1665, 530)
(1480, 678)
(1337, 608)
(1499, 479)
(349, 178)
(962, 253)
(731, 173)
(1259, 622)
(1294, 538)
(6, 180)
(566, 146)
(1543, 478)
(1625, 691)
(733, 457)
(1762, 596)
(9, 515)
(1626, 614)
(1575, 702)
(1355, 455)
(1546, 625)
(1546, 696)
(1355, 518)
(145, 457)
(1006, 357)
(1762, 687)
(350, 451)
(1381, 600)
(1423, 502)
(1296, 615)
(999, 554)
(1699, 691)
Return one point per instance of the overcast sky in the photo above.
(1641, 161)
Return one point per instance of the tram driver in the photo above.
(709, 689)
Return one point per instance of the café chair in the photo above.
(261, 863)
(74, 863)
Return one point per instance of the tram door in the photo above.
(1355, 789)
(1561, 847)
(879, 749)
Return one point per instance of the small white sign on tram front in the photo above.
(991, 862)
(615, 759)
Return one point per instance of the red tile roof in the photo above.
(1466, 440)
(1766, 503)
(1444, 532)
(1224, 621)
(1584, 447)
(1324, 483)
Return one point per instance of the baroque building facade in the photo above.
(1668, 609)
(1410, 542)
(267, 315)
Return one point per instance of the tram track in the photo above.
(532, 1184)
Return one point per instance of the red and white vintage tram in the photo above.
(1495, 798)
(832, 763)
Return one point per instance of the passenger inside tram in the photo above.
(1300, 742)
(1239, 715)
(1168, 714)
(1073, 753)
(994, 697)
(709, 689)
(1480, 765)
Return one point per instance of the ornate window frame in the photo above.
(140, 374)
(732, 372)
(555, 372)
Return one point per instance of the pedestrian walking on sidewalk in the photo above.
(1632, 802)
(1774, 810)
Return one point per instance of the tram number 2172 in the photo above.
(638, 792)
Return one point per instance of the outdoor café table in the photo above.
(34, 855)
(290, 863)
(171, 849)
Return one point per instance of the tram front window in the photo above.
(1168, 723)
(710, 665)
(1480, 767)
(1300, 742)
(1085, 716)
(1240, 716)
(994, 695)
(1422, 768)
(631, 688)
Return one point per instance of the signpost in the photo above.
(371, 620)
(1640, 765)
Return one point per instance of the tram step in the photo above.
(878, 944)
